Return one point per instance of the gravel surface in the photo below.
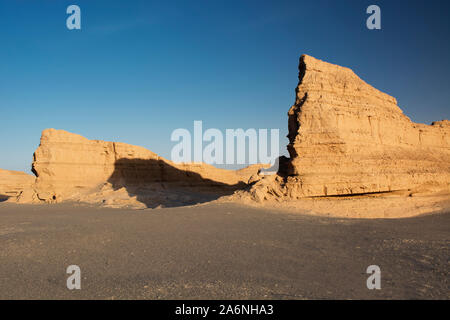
(217, 251)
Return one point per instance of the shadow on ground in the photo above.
(155, 183)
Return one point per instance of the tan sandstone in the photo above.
(348, 138)
(71, 167)
(14, 183)
(353, 153)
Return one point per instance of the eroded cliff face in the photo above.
(347, 138)
(71, 167)
(14, 183)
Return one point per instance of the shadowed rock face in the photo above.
(71, 167)
(346, 137)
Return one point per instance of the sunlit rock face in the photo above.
(69, 166)
(346, 138)
(14, 183)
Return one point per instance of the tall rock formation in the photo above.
(347, 138)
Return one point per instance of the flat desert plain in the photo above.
(218, 251)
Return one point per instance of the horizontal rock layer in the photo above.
(13, 183)
(66, 163)
(346, 137)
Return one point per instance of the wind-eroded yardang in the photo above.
(347, 138)
(71, 167)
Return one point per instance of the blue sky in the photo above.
(137, 70)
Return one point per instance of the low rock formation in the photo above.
(14, 183)
(71, 167)
(348, 138)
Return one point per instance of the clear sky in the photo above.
(137, 70)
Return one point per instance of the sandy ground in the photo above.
(218, 251)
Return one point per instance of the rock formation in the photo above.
(347, 138)
(14, 183)
(71, 167)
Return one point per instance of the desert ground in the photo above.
(363, 185)
(218, 251)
